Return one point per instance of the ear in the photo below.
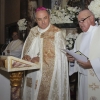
(92, 18)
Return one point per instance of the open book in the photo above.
(77, 55)
(10, 64)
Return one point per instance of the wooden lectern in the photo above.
(16, 67)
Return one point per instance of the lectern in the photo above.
(16, 67)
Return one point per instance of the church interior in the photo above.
(11, 11)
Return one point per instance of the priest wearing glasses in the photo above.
(88, 43)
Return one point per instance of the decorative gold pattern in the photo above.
(30, 38)
(48, 65)
(94, 86)
(29, 82)
(55, 89)
(93, 98)
(16, 78)
(54, 94)
(91, 72)
(36, 84)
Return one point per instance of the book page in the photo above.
(75, 55)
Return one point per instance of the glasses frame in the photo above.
(81, 21)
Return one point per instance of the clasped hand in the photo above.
(28, 58)
(85, 65)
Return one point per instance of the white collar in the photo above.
(43, 30)
(91, 28)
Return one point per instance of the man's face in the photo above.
(42, 19)
(15, 36)
(84, 21)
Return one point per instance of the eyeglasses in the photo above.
(81, 21)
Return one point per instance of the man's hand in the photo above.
(85, 65)
(27, 57)
(70, 58)
(35, 59)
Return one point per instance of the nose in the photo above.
(43, 21)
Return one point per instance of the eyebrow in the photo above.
(42, 18)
